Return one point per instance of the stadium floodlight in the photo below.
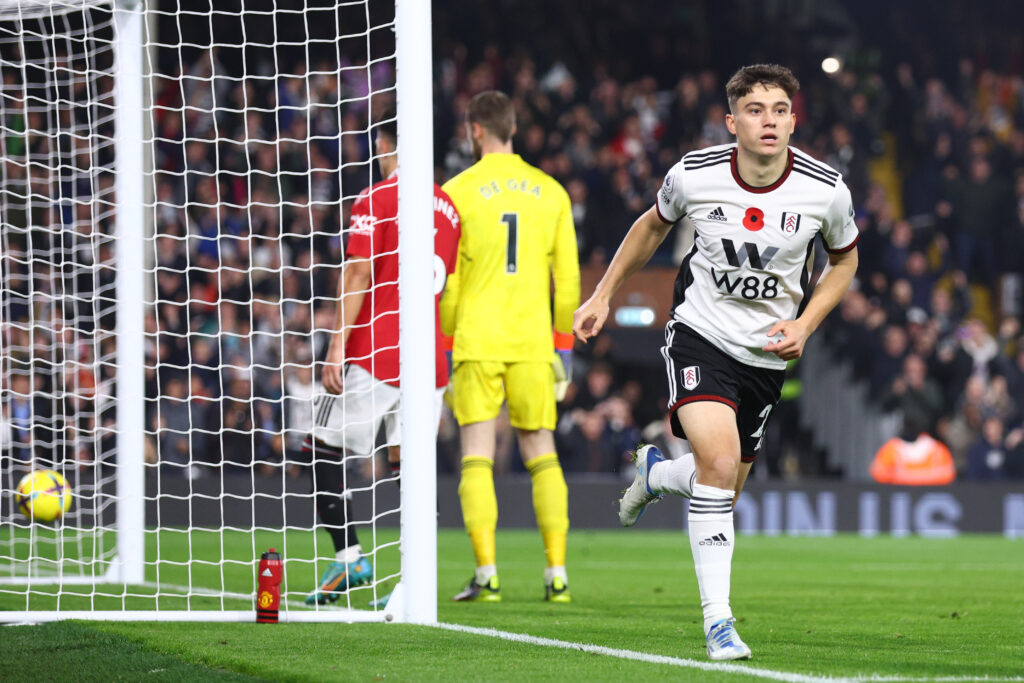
(831, 65)
(174, 187)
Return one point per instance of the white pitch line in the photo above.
(641, 656)
(195, 590)
(725, 667)
(937, 679)
(769, 674)
(214, 593)
(884, 678)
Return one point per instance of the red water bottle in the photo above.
(268, 591)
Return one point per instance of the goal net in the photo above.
(176, 179)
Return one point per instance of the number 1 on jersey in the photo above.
(511, 221)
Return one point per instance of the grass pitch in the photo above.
(844, 606)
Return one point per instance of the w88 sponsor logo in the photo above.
(749, 286)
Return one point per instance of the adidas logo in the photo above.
(717, 215)
(717, 539)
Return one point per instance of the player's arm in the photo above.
(450, 299)
(352, 287)
(449, 255)
(565, 270)
(839, 230)
(647, 233)
(834, 282)
(449, 304)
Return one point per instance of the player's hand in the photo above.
(449, 395)
(448, 344)
(562, 362)
(794, 336)
(589, 318)
(333, 368)
(562, 365)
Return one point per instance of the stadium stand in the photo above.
(933, 150)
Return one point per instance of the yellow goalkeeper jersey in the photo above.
(517, 236)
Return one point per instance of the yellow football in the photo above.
(43, 495)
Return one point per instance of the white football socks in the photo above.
(711, 542)
(551, 572)
(349, 555)
(484, 573)
(674, 476)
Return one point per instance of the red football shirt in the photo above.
(373, 343)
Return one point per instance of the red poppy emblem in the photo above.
(754, 219)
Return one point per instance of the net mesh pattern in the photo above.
(258, 119)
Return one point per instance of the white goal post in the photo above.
(175, 183)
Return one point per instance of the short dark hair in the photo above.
(495, 112)
(744, 80)
(387, 125)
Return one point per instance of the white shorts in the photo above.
(351, 421)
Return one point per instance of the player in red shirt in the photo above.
(361, 371)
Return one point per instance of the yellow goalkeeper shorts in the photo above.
(480, 387)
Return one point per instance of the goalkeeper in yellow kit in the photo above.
(517, 233)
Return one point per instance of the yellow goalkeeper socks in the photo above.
(479, 506)
(551, 504)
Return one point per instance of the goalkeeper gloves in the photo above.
(448, 343)
(562, 364)
(448, 397)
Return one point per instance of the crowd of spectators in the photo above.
(254, 176)
(934, 326)
(57, 258)
(251, 202)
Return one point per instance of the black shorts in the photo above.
(698, 371)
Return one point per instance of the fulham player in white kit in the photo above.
(741, 309)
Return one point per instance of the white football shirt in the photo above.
(750, 263)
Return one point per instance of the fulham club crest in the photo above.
(790, 223)
(691, 377)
